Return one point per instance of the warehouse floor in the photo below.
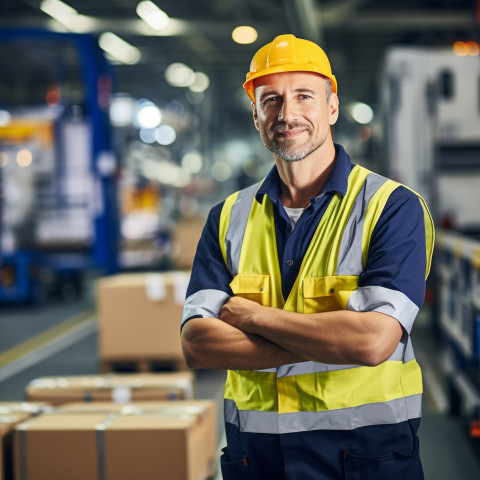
(60, 338)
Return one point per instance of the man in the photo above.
(305, 288)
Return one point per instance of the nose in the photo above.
(287, 111)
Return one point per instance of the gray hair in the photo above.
(328, 88)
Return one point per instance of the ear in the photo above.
(255, 115)
(333, 109)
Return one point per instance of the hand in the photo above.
(240, 313)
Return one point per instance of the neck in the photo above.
(305, 178)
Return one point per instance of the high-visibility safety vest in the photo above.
(310, 395)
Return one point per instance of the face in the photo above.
(292, 113)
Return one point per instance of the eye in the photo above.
(270, 100)
(304, 96)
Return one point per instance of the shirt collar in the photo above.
(337, 181)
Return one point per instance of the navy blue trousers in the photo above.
(381, 452)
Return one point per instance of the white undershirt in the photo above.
(293, 214)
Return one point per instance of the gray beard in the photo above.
(283, 151)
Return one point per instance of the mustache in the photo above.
(281, 127)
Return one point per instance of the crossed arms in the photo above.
(248, 336)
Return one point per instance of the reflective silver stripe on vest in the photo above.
(409, 353)
(387, 413)
(206, 303)
(384, 300)
(350, 253)
(238, 223)
(310, 367)
(402, 353)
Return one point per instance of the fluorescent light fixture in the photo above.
(152, 15)
(119, 49)
(58, 10)
(66, 15)
(244, 34)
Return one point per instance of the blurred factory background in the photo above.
(123, 121)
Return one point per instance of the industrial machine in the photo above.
(58, 172)
(431, 114)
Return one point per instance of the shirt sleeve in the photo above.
(393, 281)
(209, 283)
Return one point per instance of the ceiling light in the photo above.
(152, 15)
(119, 49)
(473, 49)
(179, 75)
(147, 135)
(24, 158)
(361, 113)
(149, 115)
(462, 49)
(244, 35)
(221, 171)
(200, 82)
(192, 162)
(58, 10)
(165, 135)
(66, 15)
(122, 111)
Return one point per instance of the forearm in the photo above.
(212, 343)
(340, 337)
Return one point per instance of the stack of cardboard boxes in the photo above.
(110, 427)
(119, 426)
(108, 441)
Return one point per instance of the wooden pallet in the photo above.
(142, 365)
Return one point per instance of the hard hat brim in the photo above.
(250, 89)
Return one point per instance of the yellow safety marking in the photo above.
(43, 338)
(476, 258)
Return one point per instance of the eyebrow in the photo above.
(297, 90)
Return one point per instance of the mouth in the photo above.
(283, 131)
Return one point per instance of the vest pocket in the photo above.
(252, 287)
(327, 294)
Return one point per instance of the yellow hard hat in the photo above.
(288, 53)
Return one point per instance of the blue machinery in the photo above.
(458, 293)
(102, 253)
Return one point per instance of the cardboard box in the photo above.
(186, 235)
(206, 408)
(112, 443)
(139, 315)
(12, 413)
(118, 388)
